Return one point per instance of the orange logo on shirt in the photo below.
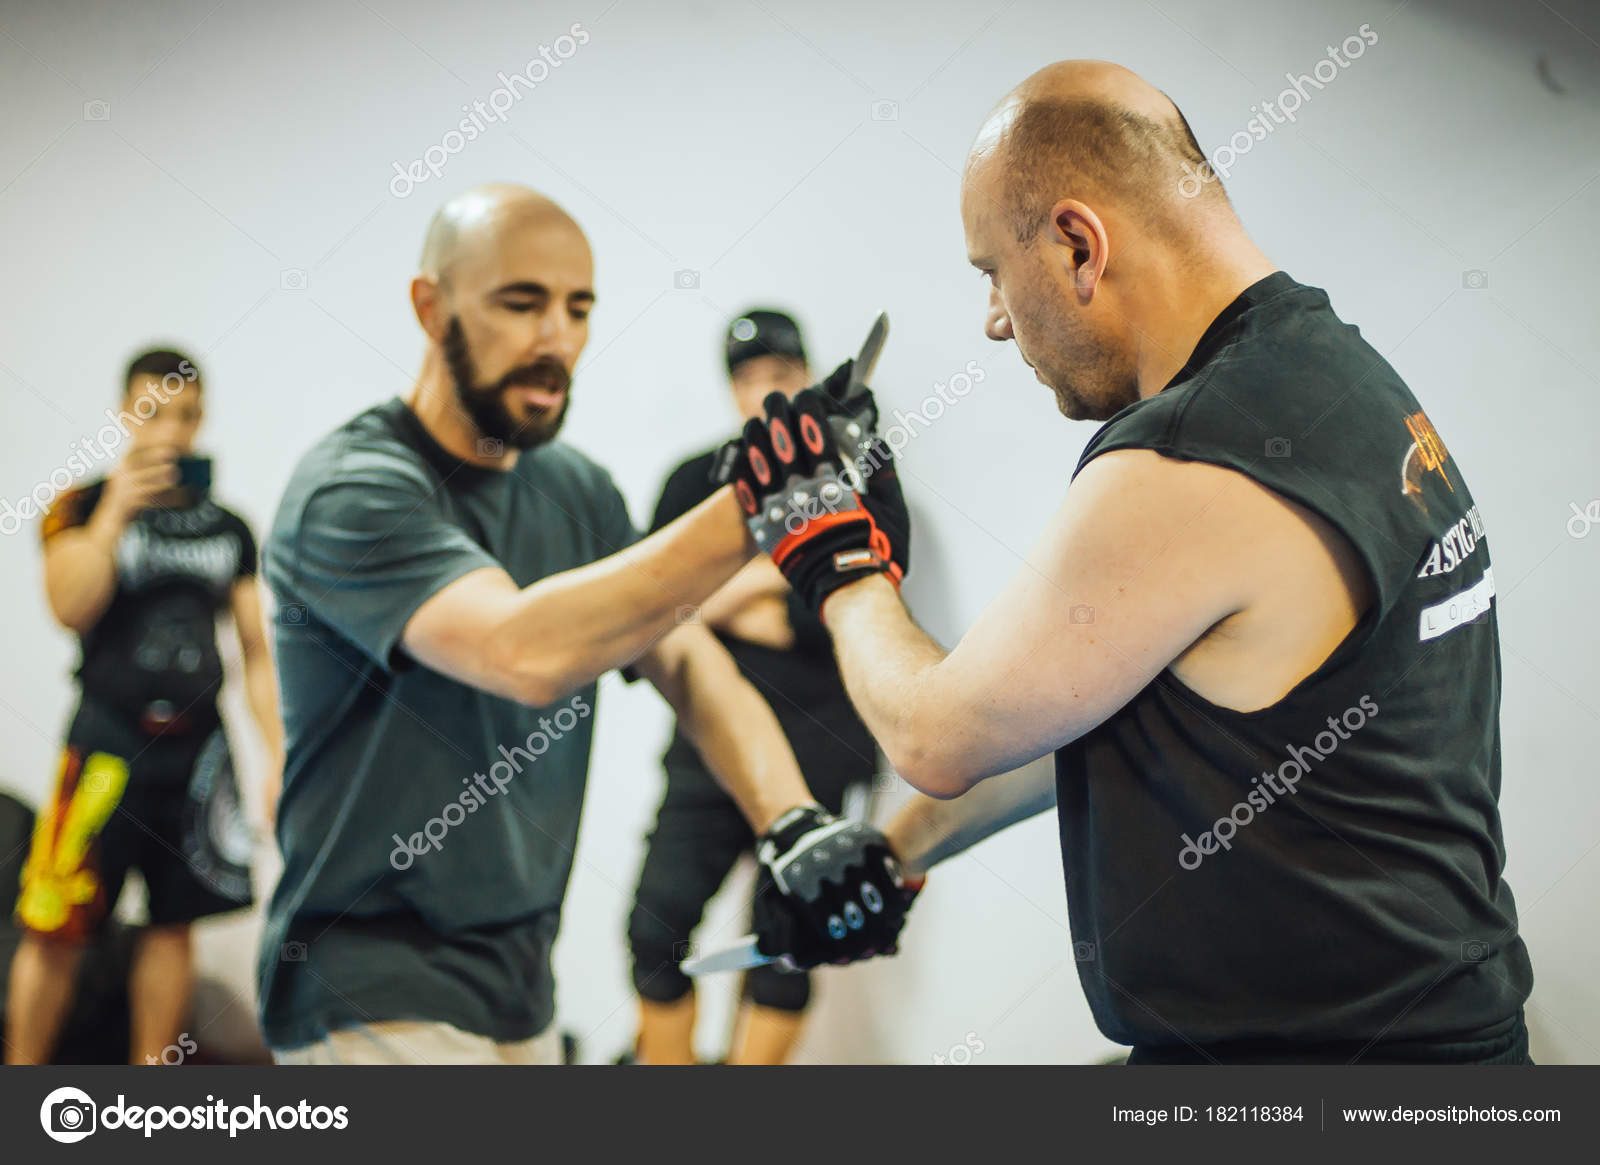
(1426, 455)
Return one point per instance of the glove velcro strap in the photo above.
(817, 526)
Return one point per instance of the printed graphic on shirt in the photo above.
(1426, 455)
(1456, 548)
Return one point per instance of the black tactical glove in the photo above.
(829, 890)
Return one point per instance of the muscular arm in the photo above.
(80, 561)
(1144, 556)
(536, 644)
(732, 727)
(260, 682)
(80, 571)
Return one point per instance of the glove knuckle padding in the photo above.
(807, 484)
(839, 895)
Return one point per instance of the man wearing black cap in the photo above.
(782, 648)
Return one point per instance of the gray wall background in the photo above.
(219, 175)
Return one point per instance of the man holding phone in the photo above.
(140, 564)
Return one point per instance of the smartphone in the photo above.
(194, 473)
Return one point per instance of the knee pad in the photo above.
(780, 990)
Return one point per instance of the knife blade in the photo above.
(740, 955)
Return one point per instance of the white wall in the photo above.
(737, 140)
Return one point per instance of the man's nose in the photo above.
(560, 336)
(997, 326)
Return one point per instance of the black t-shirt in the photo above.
(427, 826)
(1215, 895)
(832, 746)
(157, 640)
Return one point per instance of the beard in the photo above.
(487, 405)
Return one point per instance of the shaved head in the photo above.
(476, 220)
(1094, 131)
(1105, 235)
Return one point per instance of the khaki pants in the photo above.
(411, 1041)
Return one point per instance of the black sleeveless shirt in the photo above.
(1327, 869)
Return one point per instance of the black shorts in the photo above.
(165, 805)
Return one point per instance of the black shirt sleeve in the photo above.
(71, 509)
(687, 486)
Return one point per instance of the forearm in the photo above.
(926, 831)
(888, 663)
(261, 689)
(565, 630)
(734, 730)
(81, 572)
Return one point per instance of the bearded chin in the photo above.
(486, 406)
(487, 409)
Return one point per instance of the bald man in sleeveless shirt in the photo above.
(1258, 633)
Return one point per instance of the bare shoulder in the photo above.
(1286, 585)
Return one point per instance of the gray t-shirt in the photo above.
(427, 827)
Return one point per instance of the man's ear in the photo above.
(1077, 229)
(428, 303)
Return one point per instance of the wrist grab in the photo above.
(806, 503)
(829, 890)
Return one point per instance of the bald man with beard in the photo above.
(1258, 633)
(451, 582)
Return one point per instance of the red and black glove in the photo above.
(802, 496)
